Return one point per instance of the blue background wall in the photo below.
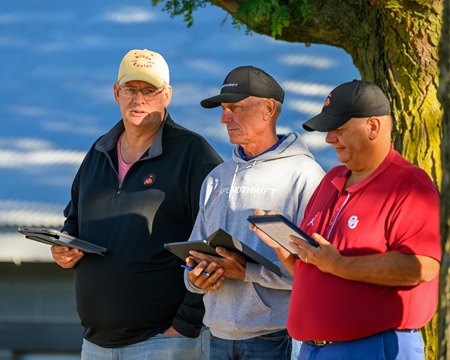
(59, 60)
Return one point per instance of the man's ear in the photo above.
(269, 109)
(167, 96)
(116, 91)
(373, 125)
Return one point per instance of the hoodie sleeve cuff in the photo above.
(252, 272)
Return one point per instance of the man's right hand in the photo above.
(268, 240)
(66, 257)
(285, 256)
(212, 282)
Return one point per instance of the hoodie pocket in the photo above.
(236, 307)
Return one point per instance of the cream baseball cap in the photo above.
(144, 65)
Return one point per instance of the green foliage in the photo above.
(280, 20)
(273, 14)
(181, 7)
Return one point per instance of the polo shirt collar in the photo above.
(109, 141)
(341, 178)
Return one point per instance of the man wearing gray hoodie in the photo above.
(246, 305)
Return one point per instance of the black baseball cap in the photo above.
(243, 82)
(355, 99)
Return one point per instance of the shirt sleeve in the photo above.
(259, 274)
(199, 232)
(308, 181)
(414, 221)
(189, 317)
(71, 210)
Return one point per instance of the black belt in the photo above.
(324, 342)
(319, 342)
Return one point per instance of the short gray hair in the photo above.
(278, 107)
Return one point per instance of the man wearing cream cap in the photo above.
(137, 188)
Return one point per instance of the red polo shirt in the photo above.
(396, 208)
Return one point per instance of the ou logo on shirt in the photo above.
(352, 222)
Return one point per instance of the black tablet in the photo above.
(221, 238)
(181, 249)
(279, 229)
(55, 237)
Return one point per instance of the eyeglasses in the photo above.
(147, 93)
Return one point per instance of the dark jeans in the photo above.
(274, 346)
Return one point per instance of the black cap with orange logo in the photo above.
(355, 99)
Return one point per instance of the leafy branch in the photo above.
(276, 15)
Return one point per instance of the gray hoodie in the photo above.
(282, 180)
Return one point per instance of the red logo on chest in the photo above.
(150, 180)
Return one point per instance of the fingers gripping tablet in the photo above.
(279, 229)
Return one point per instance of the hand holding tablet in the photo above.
(279, 229)
(220, 238)
(57, 238)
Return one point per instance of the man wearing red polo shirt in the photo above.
(373, 282)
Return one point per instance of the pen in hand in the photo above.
(189, 268)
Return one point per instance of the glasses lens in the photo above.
(148, 93)
(129, 91)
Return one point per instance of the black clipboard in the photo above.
(55, 237)
(221, 238)
(278, 228)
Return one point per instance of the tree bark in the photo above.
(444, 95)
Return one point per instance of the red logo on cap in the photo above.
(327, 101)
(142, 61)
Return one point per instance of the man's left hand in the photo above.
(171, 331)
(326, 257)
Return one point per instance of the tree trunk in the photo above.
(401, 55)
(444, 95)
(405, 64)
